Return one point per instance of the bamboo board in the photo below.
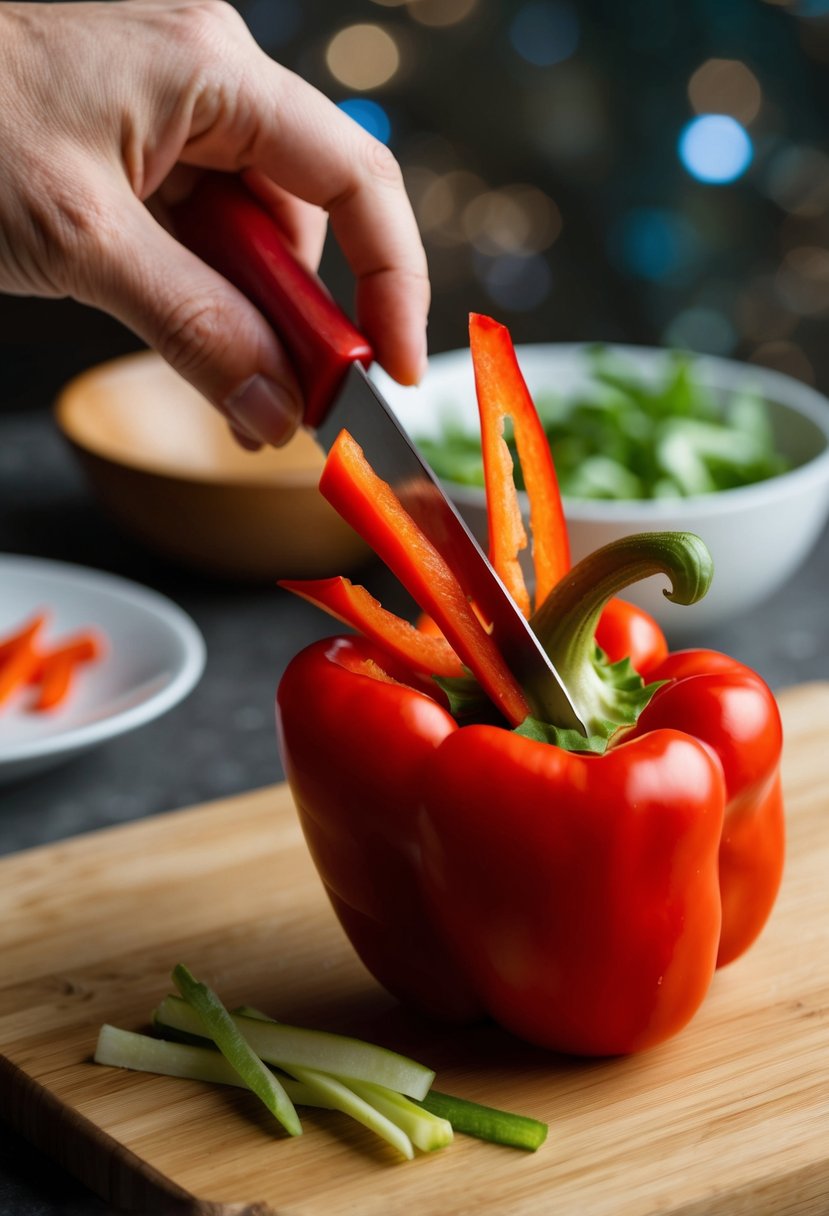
(731, 1118)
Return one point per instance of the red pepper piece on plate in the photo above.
(54, 670)
(19, 657)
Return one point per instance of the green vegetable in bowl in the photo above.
(627, 437)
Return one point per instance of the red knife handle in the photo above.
(227, 227)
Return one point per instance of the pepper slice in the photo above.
(357, 607)
(502, 392)
(374, 511)
(19, 657)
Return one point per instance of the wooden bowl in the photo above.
(162, 462)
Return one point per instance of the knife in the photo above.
(227, 227)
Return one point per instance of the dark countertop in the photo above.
(220, 741)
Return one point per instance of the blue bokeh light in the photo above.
(370, 115)
(545, 32)
(654, 243)
(715, 148)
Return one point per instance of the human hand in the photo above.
(109, 110)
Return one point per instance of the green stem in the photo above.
(566, 622)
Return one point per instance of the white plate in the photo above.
(155, 655)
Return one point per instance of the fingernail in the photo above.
(265, 410)
(243, 439)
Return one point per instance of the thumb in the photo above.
(202, 325)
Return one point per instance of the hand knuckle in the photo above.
(383, 164)
(206, 25)
(73, 230)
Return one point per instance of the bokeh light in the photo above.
(441, 202)
(715, 149)
(725, 86)
(564, 116)
(440, 12)
(654, 243)
(518, 284)
(760, 313)
(362, 56)
(370, 115)
(786, 357)
(702, 329)
(545, 32)
(803, 280)
(798, 181)
(515, 218)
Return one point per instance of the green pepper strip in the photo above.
(485, 1122)
(222, 1030)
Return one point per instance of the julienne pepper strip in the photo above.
(580, 891)
(51, 671)
(355, 606)
(502, 392)
(18, 657)
(366, 502)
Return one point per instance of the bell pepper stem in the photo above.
(566, 622)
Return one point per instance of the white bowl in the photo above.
(154, 656)
(758, 534)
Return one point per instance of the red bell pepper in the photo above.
(729, 707)
(579, 890)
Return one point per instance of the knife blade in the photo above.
(227, 227)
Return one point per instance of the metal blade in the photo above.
(361, 410)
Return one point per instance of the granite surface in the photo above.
(220, 741)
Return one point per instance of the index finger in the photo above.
(308, 146)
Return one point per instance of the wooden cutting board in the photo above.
(729, 1119)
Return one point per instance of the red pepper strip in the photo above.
(83, 648)
(54, 670)
(425, 624)
(18, 657)
(507, 535)
(55, 681)
(356, 607)
(21, 636)
(372, 508)
(502, 390)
